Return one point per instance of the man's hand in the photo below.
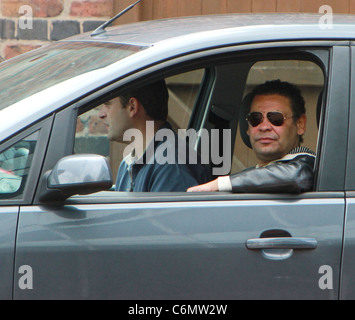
(207, 187)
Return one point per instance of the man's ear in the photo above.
(133, 106)
(301, 125)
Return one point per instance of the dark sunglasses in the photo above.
(276, 118)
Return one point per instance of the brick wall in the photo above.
(28, 24)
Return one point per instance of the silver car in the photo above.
(64, 234)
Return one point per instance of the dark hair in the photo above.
(153, 97)
(285, 89)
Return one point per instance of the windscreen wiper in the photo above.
(101, 29)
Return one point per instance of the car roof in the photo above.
(154, 31)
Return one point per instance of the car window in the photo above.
(91, 132)
(209, 100)
(15, 163)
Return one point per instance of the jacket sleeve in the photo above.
(292, 176)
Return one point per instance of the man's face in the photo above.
(271, 142)
(117, 119)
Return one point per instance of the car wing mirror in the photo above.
(76, 174)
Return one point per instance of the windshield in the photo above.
(40, 69)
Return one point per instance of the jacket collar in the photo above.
(294, 153)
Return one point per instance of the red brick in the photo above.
(40, 8)
(15, 50)
(97, 8)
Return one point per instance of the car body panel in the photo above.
(8, 226)
(177, 250)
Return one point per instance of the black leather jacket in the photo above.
(291, 174)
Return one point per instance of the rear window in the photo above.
(40, 69)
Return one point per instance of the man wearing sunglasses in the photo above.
(276, 124)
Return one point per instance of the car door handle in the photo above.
(281, 243)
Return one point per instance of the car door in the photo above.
(194, 246)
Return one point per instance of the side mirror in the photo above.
(76, 174)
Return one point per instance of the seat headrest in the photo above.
(243, 123)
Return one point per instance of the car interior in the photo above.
(212, 96)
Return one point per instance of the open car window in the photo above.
(91, 132)
(208, 100)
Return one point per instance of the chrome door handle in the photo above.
(281, 243)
